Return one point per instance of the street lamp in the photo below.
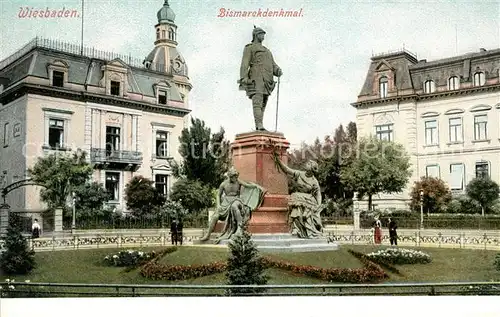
(421, 209)
(73, 224)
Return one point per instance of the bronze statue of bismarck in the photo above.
(257, 73)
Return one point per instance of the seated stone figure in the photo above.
(305, 205)
(236, 200)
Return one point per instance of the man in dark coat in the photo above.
(393, 235)
(173, 231)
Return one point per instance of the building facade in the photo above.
(126, 114)
(446, 113)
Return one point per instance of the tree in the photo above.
(437, 195)
(60, 174)
(483, 190)
(91, 197)
(17, 257)
(142, 197)
(193, 195)
(244, 265)
(205, 156)
(380, 167)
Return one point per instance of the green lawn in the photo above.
(86, 266)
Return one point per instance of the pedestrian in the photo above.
(378, 231)
(35, 230)
(393, 234)
(173, 231)
(180, 226)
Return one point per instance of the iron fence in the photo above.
(25, 289)
(470, 222)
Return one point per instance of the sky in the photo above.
(324, 54)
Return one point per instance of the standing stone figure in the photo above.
(235, 202)
(257, 73)
(305, 205)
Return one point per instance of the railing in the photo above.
(91, 52)
(439, 222)
(104, 155)
(402, 50)
(23, 289)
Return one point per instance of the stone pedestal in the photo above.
(356, 220)
(251, 157)
(4, 219)
(58, 220)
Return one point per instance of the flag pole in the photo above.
(81, 42)
(277, 103)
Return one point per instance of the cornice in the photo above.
(420, 97)
(84, 96)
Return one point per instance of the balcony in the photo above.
(115, 159)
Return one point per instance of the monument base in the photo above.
(252, 158)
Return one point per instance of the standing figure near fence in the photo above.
(173, 231)
(393, 235)
(36, 231)
(378, 231)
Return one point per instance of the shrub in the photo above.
(17, 257)
(483, 190)
(244, 265)
(400, 256)
(193, 195)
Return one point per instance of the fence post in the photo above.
(416, 239)
(462, 240)
(485, 241)
(75, 241)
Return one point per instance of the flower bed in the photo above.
(399, 256)
(134, 258)
(370, 273)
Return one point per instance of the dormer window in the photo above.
(58, 73)
(115, 88)
(479, 79)
(162, 97)
(453, 83)
(429, 87)
(383, 87)
(57, 78)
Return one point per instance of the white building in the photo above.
(446, 112)
(127, 114)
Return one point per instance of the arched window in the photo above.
(171, 34)
(383, 87)
(429, 87)
(453, 83)
(157, 34)
(479, 79)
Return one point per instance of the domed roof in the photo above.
(166, 14)
(166, 59)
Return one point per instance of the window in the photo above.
(431, 132)
(157, 34)
(456, 134)
(161, 184)
(432, 171)
(115, 88)
(482, 169)
(457, 176)
(56, 133)
(480, 127)
(162, 97)
(112, 140)
(57, 78)
(479, 79)
(453, 83)
(161, 144)
(384, 132)
(383, 87)
(113, 186)
(6, 135)
(429, 87)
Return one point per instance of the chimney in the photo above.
(482, 49)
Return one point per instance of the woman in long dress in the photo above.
(378, 231)
(305, 205)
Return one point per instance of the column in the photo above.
(58, 220)
(125, 141)
(135, 146)
(4, 219)
(102, 125)
(356, 220)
